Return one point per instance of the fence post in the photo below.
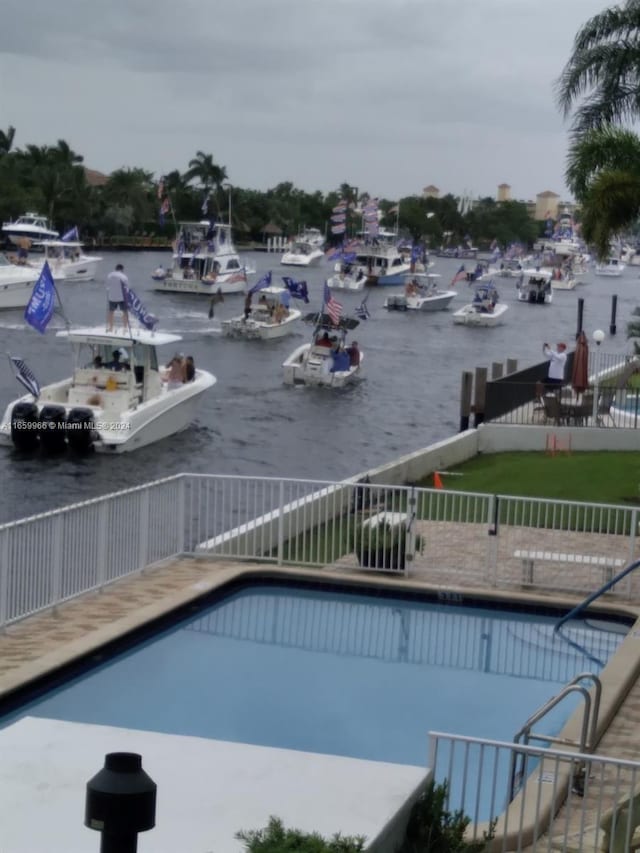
(143, 540)
(633, 533)
(4, 577)
(410, 529)
(181, 517)
(492, 544)
(56, 561)
(280, 522)
(101, 546)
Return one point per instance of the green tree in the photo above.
(603, 71)
(603, 172)
(6, 140)
(210, 176)
(130, 200)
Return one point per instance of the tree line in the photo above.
(52, 180)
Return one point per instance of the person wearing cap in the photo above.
(557, 359)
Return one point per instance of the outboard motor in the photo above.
(80, 430)
(52, 428)
(24, 426)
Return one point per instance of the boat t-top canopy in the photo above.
(544, 275)
(325, 321)
(98, 335)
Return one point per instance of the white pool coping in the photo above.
(207, 789)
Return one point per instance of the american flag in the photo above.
(333, 307)
(461, 275)
(26, 376)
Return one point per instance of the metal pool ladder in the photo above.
(591, 709)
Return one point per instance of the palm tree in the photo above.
(603, 172)
(604, 69)
(6, 140)
(208, 173)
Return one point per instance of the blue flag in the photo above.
(298, 289)
(263, 282)
(40, 307)
(149, 321)
(71, 234)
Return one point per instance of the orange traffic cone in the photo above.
(437, 482)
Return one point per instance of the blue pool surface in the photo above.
(337, 672)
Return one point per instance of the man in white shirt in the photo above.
(557, 360)
(115, 296)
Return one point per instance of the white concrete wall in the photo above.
(502, 438)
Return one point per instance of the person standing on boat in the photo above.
(115, 296)
(557, 359)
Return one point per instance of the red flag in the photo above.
(437, 481)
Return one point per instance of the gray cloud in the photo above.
(389, 96)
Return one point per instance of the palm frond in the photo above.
(606, 148)
(611, 206)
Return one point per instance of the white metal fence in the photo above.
(450, 538)
(561, 801)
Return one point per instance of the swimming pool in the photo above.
(340, 672)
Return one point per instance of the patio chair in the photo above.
(605, 402)
(581, 412)
(538, 404)
(610, 834)
(553, 409)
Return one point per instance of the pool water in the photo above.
(365, 676)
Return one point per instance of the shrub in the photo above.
(274, 838)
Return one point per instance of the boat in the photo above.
(563, 279)
(382, 262)
(31, 226)
(421, 294)
(347, 278)
(485, 310)
(205, 261)
(67, 261)
(535, 287)
(268, 319)
(16, 283)
(314, 236)
(612, 267)
(115, 401)
(302, 254)
(325, 361)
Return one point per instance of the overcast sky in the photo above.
(387, 95)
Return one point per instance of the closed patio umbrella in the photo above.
(580, 368)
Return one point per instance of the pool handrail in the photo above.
(591, 598)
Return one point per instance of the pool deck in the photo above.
(43, 642)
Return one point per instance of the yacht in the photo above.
(267, 319)
(116, 400)
(313, 236)
(382, 262)
(16, 283)
(67, 260)
(302, 254)
(205, 261)
(31, 226)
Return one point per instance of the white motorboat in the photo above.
(31, 227)
(205, 261)
(535, 287)
(314, 236)
(325, 361)
(485, 310)
(116, 400)
(159, 273)
(347, 279)
(268, 319)
(67, 261)
(421, 293)
(612, 268)
(16, 283)
(302, 254)
(563, 279)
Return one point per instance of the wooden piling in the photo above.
(480, 391)
(580, 316)
(497, 370)
(614, 308)
(466, 388)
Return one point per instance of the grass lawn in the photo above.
(595, 477)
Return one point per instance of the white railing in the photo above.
(442, 536)
(563, 800)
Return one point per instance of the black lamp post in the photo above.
(120, 802)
